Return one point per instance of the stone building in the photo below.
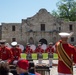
(42, 27)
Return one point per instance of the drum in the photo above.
(21, 47)
(44, 46)
(43, 70)
(33, 47)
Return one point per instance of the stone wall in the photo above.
(29, 30)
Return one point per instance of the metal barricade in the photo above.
(43, 70)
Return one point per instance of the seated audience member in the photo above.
(32, 68)
(4, 68)
(22, 67)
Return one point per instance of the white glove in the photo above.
(15, 62)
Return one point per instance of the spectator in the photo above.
(22, 67)
(32, 69)
(4, 68)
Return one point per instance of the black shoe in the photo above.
(50, 67)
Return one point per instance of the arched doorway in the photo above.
(43, 41)
(54, 40)
(31, 40)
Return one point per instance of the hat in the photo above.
(27, 43)
(14, 43)
(39, 44)
(23, 63)
(50, 43)
(64, 34)
(2, 41)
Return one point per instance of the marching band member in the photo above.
(75, 48)
(29, 52)
(43, 46)
(33, 47)
(21, 47)
(50, 52)
(66, 55)
(5, 52)
(39, 52)
(16, 52)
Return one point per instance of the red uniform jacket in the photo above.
(28, 50)
(16, 53)
(39, 50)
(6, 54)
(49, 49)
(70, 50)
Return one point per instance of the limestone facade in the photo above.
(40, 27)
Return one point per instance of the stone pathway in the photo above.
(53, 71)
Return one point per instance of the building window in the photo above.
(70, 27)
(59, 28)
(13, 28)
(42, 27)
(13, 39)
(72, 39)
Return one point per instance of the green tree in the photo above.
(66, 10)
(54, 13)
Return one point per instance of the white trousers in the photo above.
(40, 61)
(50, 61)
(63, 74)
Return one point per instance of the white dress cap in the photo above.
(28, 43)
(64, 34)
(2, 41)
(14, 43)
(39, 44)
(50, 43)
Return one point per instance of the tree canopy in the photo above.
(66, 10)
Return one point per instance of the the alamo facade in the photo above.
(41, 27)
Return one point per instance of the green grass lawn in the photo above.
(34, 56)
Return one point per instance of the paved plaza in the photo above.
(53, 70)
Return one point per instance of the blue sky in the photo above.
(13, 11)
